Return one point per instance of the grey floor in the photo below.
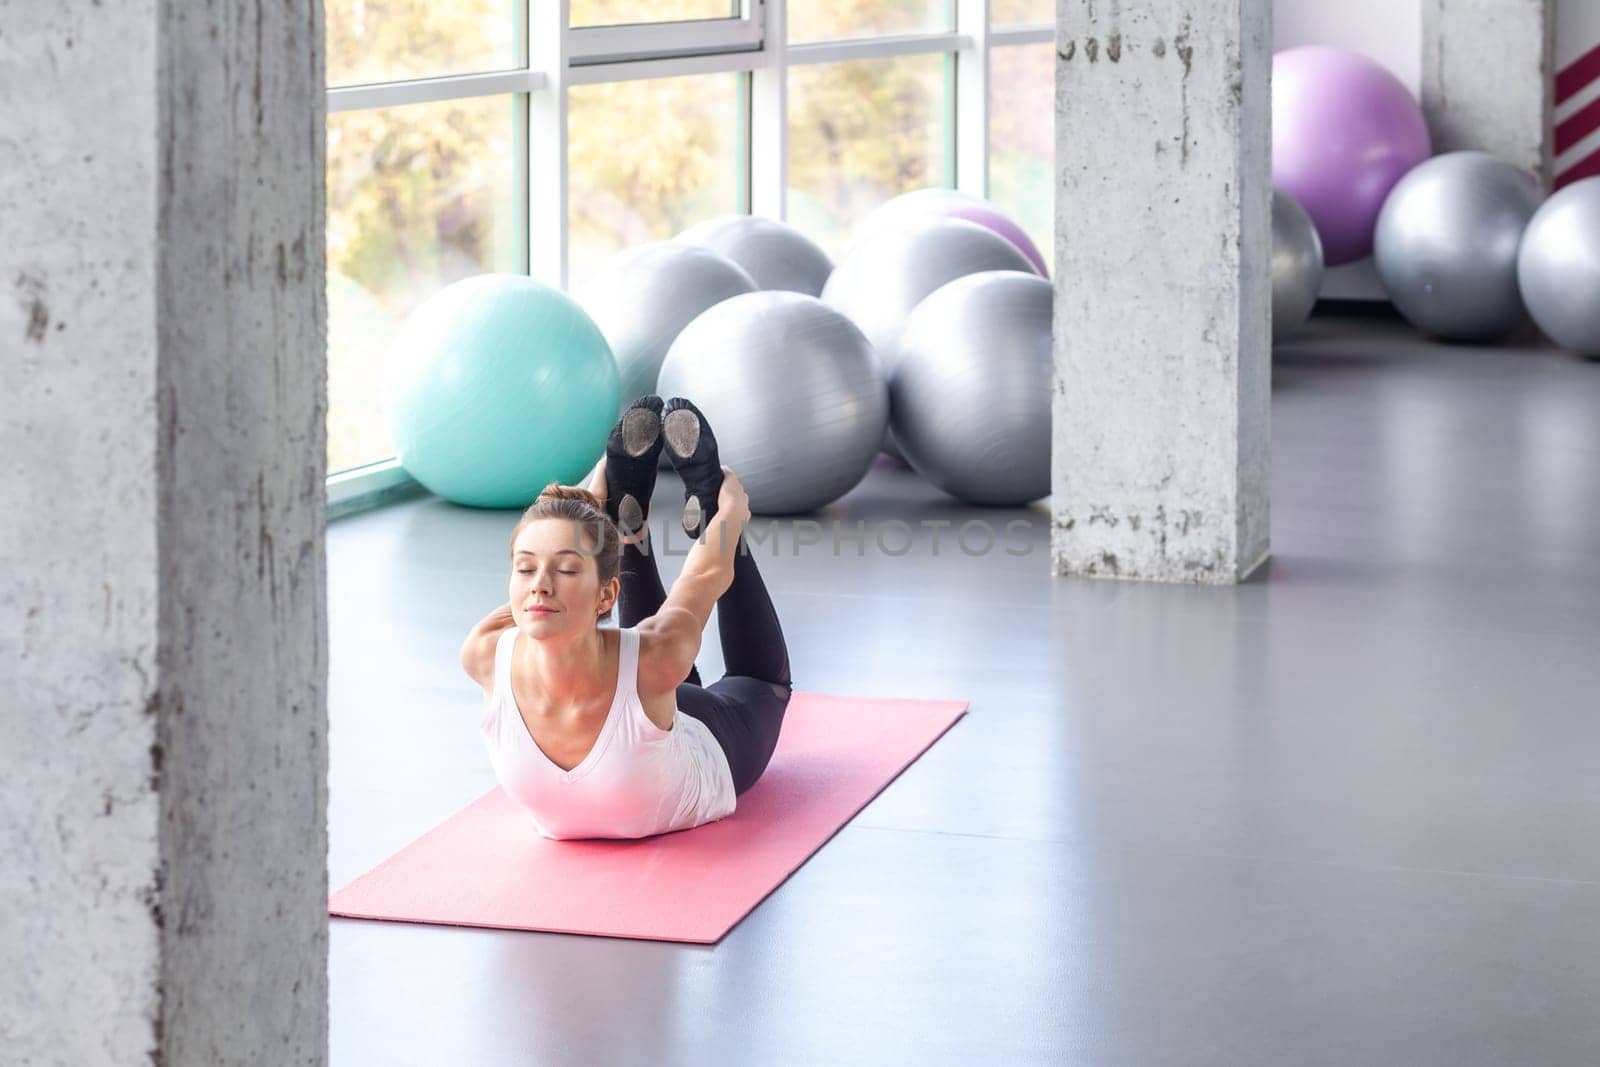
(1346, 813)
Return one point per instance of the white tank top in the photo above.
(638, 779)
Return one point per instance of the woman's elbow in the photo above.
(472, 661)
(674, 635)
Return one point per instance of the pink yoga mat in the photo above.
(487, 865)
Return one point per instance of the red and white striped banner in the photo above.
(1577, 116)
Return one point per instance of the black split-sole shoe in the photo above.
(692, 448)
(632, 454)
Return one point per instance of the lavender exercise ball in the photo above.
(1344, 131)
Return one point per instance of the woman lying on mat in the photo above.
(603, 732)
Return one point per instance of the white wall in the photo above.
(1577, 29)
(1389, 31)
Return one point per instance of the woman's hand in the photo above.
(597, 482)
(733, 501)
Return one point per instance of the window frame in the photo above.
(599, 45)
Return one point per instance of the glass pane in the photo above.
(817, 20)
(622, 12)
(647, 159)
(862, 132)
(418, 196)
(1022, 139)
(396, 40)
(1005, 12)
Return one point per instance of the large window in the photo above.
(1022, 139)
(647, 159)
(390, 40)
(822, 20)
(418, 197)
(450, 152)
(623, 12)
(862, 132)
(1005, 12)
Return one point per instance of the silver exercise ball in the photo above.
(1296, 265)
(970, 395)
(774, 254)
(1558, 267)
(1446, 244)
(933, 202)
(880, 280)
(792, 392)
(643, 296)
(919, 201)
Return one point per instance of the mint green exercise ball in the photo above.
(496, 386)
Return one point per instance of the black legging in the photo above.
(744, 709)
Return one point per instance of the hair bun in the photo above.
(557, 491)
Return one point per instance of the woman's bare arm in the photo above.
(669, 640)
(477, 652)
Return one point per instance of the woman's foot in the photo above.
(632, 452)
(692, 448)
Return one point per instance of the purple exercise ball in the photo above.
(1344, 131)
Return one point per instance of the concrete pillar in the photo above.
(163, 759)
(1487, 77)
(1162, 339)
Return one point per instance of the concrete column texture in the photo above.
(1162, 301)
(1487, 78)
(162, 617)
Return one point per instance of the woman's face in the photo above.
(555, 582)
